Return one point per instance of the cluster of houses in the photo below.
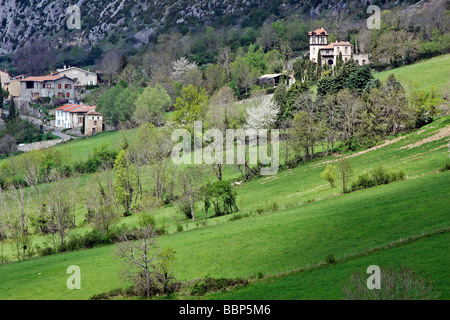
(63, 84)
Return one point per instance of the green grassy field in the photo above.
(422, 75)
(427, 256)
(312, 221)
(300, 234)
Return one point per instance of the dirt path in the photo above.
(444, 132)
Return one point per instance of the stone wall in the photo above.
(39, 145)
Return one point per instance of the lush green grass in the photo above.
(269, 243)
(422, 75)
(288, 188)
(428, 255)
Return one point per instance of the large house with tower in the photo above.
(329, 52)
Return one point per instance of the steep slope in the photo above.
(141, 21)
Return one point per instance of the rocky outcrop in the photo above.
(140, 21)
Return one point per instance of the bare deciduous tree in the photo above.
(17, 221)
(224, 59)
(190, 180)
(111, 64)
(149, 269)
(35, 58)
(61, 203)
(102, 204)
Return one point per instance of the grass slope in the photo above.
(422, 75)
(269, 243)
(427, 255)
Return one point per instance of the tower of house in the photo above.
(317, 40)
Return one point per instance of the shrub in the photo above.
(377, 177)
(180, 228)
(397, 284)
(330, 174)
(209, 284)
(46, 251)
(446, 167)
(260, 210)
(330, 259)
(273, 207)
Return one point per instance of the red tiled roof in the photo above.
(67, 106)
(77, 108)
(332, 45)
(318, 31)
(94, 113)
(83, 109)
(342, 43)
(43, 78)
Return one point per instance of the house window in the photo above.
(87, 74)
(346, 50)
(67, 94)
(59, 86)
(95, 123)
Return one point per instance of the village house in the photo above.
(318, 42)
(270, 79)
(82, 77)
(93, 123)
(13, 86)
(4, 76)
(71, 116)
(58, 86)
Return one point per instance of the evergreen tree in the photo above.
(319, 65)
(339, 62)
(1, 100)
(13, 113)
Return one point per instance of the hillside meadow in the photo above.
(311, 222)
(422, 75)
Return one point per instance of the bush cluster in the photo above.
(209, 284)
(376, 177)
(100, 158)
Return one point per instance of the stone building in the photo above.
(82, 77)
(329, 53)
(93, 123)
(33, 88)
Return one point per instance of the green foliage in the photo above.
(151, 104)
(118, 103)
(375, 177)
(124, 182)
(101, 158)
(221, 196)
(191, 106)
(209, 284)
(330, 174)
(446, 167)
(359, 80)
(330, 259)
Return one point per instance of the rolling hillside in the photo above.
(312, 221)
(422, 75)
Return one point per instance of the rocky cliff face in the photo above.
(140, 20)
